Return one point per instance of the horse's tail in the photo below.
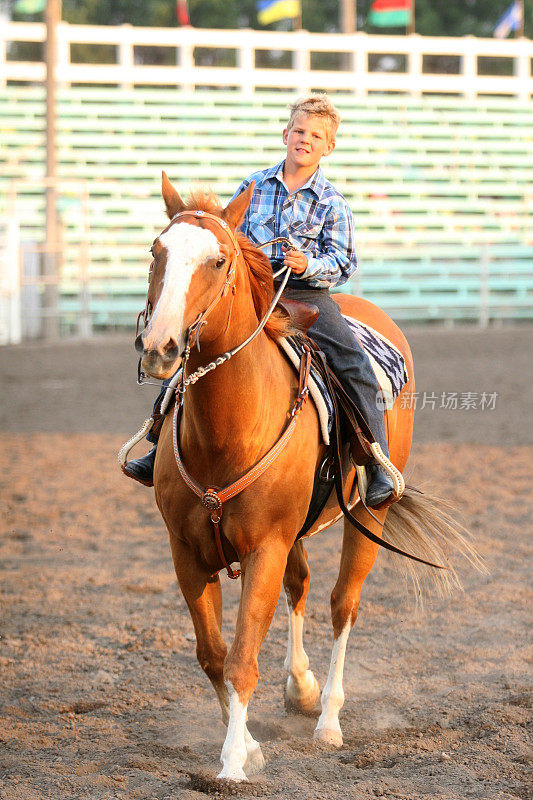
(422, 523)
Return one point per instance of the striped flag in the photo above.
(273, 10)
(510, 20)
(390, 13)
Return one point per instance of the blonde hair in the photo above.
(318, 105)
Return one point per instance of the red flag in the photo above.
(182, 12)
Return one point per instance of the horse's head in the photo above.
(193, 265)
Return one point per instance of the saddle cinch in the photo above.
(351, 438)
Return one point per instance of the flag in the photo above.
(29, 6)
(182, 12)
(390, 13)
(510, 20)
(273, 10)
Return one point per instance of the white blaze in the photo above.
(187, 247)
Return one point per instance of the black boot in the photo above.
(142, 469)
(380, 485)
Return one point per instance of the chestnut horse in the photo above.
(230, 419)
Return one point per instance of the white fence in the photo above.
(411, 64)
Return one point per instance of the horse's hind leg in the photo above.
(357, 559)
(302, 690)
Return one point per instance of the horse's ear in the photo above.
(235, 211)
(173, 202)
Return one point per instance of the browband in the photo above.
(206, 215)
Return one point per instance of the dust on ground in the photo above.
(102, 696)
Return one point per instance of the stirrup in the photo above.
(394, 474)
(125, 449)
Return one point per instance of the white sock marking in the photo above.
(301, 681)
(333, 693)
(234, 752)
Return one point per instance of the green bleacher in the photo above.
(441, 189)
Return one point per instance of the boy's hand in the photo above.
(296, 260)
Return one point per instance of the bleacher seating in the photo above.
(441, 189)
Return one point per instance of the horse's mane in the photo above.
(259, 268)
(262, 287)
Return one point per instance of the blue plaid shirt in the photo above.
(316, 219)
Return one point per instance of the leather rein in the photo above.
(213, 497)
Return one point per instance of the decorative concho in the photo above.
(210, 500)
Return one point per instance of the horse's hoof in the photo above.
(255, 762)
(298, 701)
(328, 736)
(235, 774)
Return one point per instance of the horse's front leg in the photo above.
(262, 577)
(302, 690)
(203, 596)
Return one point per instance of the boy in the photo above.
(294, 200)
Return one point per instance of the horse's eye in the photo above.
(220, 262)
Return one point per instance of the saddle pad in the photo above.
(293, 349)
(386, 360)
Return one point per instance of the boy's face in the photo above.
(307, 140)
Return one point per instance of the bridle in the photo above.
(229, 282)
(193, 332)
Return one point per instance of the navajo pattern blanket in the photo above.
(387, 361)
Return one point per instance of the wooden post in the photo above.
(348, 18)
(297, 21)
(51, 255)
(411, 25)
(348, 22)
(520, 30)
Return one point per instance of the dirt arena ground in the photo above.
(101, 693)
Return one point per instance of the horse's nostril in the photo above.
(170, 347)
(139, 346)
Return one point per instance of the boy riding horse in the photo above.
(294, 200)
